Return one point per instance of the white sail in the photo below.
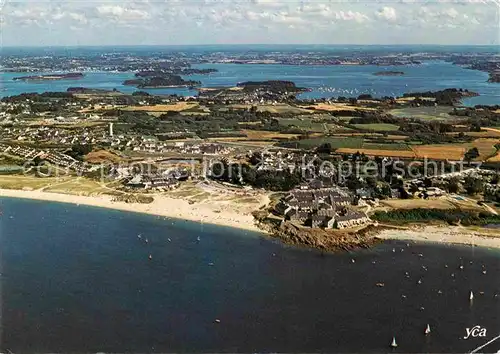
(394, 344)
(428, 329)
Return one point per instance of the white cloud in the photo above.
(387, 13)
(122, 14)
(250, 21)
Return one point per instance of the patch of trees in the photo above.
(473, 185)
(447, 97)
(373, 118)
(245, 174)
(432, 138)
(140, 93)
(37, 97)
(471, 154)
(271, 85)
(78, 151)
(139, 122)
(480, 116)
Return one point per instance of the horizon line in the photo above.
(243, 44)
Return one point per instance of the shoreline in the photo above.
(181, 209)
(446, 235)
(161, 206)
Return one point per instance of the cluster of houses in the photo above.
(54, 157)
(152, 145)
(101, 136)
(321, 208)
(153, 182)
(62, 160)
(53, 135)
(21, 151)
(278, 161)
(156, 181)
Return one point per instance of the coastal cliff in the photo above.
(325, 240)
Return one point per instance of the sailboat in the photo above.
(428, 329)
(394, 344)
(471, 296)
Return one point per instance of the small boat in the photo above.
(394, 344)
(198, 239)
(146, 240)
(217, 320)
(428, 329)
(139, 236)
(150, 257)
(471, 296)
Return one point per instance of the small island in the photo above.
(50, 77)
(175, 71)
(389, 73)
(494, 77)
(90, 91)
(271, 85)
(165, 81)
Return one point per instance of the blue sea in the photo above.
(323, 80)
(78, 279)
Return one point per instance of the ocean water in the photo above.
(78, 279)
(323, 80)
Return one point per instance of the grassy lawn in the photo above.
(378, 127)
(28, 182)
(78, 186)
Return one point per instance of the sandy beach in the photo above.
(223, 213)
(219, 214)
(446, 235)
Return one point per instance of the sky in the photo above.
(179, 22)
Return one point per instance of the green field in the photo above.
(336, 143)
(305, 124)
(394, 146)
(345, 118)
(425, 113)
(378, 127)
